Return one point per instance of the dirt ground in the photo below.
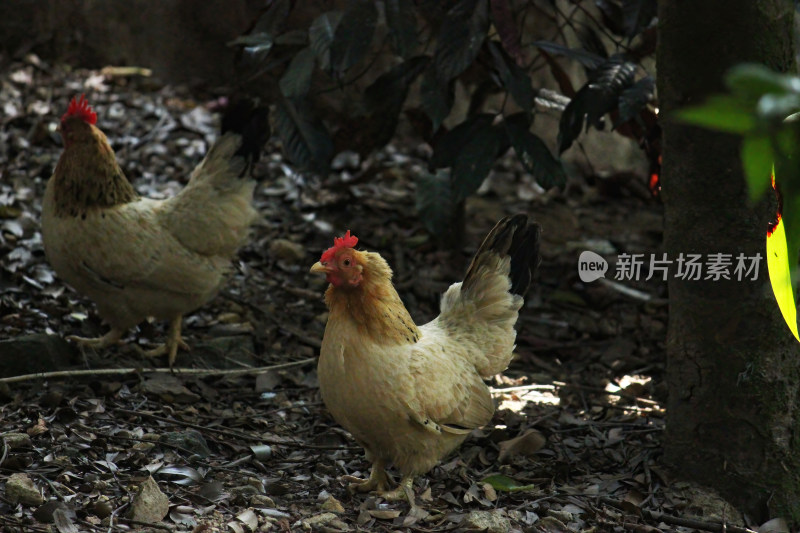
(574, 445)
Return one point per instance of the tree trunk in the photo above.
(733, 370)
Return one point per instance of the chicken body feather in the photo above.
(411, 395)
(138, 258)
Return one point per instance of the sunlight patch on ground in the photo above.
(516, 398)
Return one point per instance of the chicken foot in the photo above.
(98, 343)
(378, 481)
(404, 491)
(173, 342)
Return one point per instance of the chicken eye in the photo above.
(346, 262)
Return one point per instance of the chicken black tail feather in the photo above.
(516, 237)
(250, 120)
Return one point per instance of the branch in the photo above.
(184, 371)
(677, 520)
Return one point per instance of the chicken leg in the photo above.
(98, 343)
(377, 480)
(404, 491)
(173, 342)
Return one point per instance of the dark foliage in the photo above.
(425, 49)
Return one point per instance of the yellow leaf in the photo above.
(779, 277)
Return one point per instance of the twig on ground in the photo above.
(677, 520)
(232, 434)
(124, 371)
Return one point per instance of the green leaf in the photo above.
(503, 20)
(293, 38)
(571, 121)
(385, 97)
(722, 113)
(515, 79)
(296, 81)
(304, 137)
(503, 483)
(391, 87)
(450, 145)
(587, 59)
(435, 202)
(255, 43)
(637, 15)
(353, 35)
(476, 159)
(460, 38)
(605, 86)
(272, 20)
(597, 97)
(757, 159)
(533, 153)
(320, 36)
(436, 97)
(402, 22)
(774, 108)
(634, 99)
(752, 80)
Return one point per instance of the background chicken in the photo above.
(409, 395)
(137, 257)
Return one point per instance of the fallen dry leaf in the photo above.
(525, 445)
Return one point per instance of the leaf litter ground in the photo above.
(574, 446)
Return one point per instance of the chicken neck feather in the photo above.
(87, 175)
(374, 305)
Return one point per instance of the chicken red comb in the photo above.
(346, 241)
(80, 108)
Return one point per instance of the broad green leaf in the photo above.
(612, 15)
(514, 79)
(258, 44)
(353, 35)
(435, 202)
(506, 484)
(634, 98)
(293, 38)
(571, 121)
(533, 153)
(385, 97)
(476, 159)
(587, 59)
(721, 112)
(450, 145)
(506, 26)
(296, 81)
(605, 87)
(774, 108)
(751, 81)
(304, 137)
(436, 96)
(320, 36)
(460, 38)
(637, 15)
(402, 21)
(757, 158)
(390, 88)
(787, 177)
(272, 20)
(597, 97)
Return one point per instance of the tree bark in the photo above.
(733, 416)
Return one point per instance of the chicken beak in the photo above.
(319, 268)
